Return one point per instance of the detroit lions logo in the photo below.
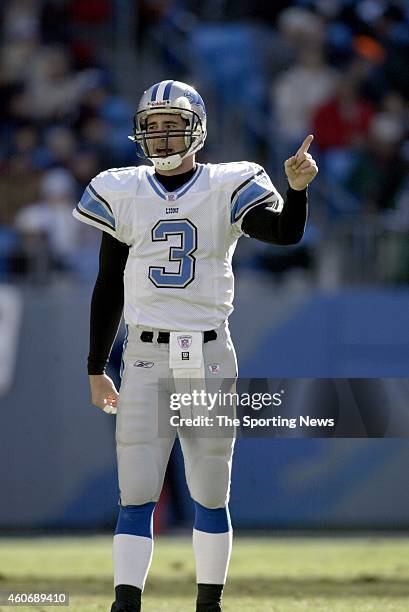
(194, 98)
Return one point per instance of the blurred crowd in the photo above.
(61, 123)
(336, 68)
(349, 85)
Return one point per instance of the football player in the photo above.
(170, 229)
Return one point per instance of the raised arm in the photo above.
(286, 227)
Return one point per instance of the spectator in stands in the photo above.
(340, 126)
(21, 20)
(61, 144)
(84, 165)
(301, 28)
(49, 221)
(299, 91)
(54, 91)
(26, 143)
(378, 172)
(19, 184)
(343, 120)
(103, 120)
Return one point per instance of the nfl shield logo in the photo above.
(171, 197)
(184, 342)
(214, 368)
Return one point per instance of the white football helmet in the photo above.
(170, 97)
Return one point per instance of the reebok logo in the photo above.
(143, 364)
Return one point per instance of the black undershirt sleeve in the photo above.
(107, 302)
(287, 227)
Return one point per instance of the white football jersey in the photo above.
(179, 271)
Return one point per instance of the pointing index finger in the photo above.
(305, 145)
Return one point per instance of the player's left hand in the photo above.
(301, 168)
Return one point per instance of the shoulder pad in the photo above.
(119, 179)
(234, 173)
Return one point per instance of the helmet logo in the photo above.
(194, 98)
(190, 95)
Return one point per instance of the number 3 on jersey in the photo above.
(183, 254)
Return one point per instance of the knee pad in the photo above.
(138, 475)
(136, 520)
(212, 520)
(209, 481)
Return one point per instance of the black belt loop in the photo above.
(147, 336)
(209, 335)
(163, 337)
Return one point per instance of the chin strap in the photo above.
(167, 163)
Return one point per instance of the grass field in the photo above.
(266, 574)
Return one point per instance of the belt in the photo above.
(163, 337)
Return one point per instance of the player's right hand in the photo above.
(103, 393)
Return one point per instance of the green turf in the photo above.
(266, 574)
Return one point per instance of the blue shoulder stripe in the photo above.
(100, 198)
(253, 204)
(242, 185)
(96, 209)
(99, 221)
(252, 194)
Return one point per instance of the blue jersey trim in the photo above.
(136, 520)
(182, 190)
(248, 196)
(178, 193)
(156, 186)
(96, 208)
(100, 198)
(125, 344)
(212, 520)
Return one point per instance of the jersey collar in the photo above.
(171, 196)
